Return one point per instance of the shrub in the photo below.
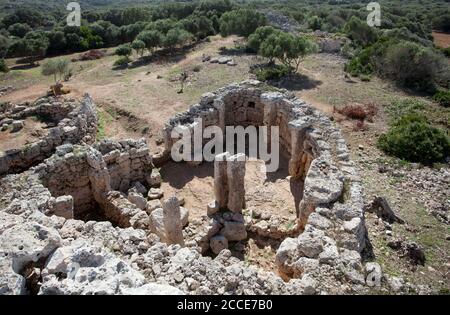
(242, 22)
(259, 36)
(360, 64)
(413, 65)
(399, 108)
(413, 139)
(151, 38)
(272, 73)
(443, 98)
(139, 47)
(122, 62)
(358, 31)
(124, 50)
(55, 67)
(446, 51)
(93, 54)
(352, 112)
(3, 66)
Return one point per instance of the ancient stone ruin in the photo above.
(85, 217)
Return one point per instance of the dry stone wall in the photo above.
(74, 123)
(318, 155)
(122, 253)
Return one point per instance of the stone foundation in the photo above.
(73, 123)
(320, 253)
(317, 152)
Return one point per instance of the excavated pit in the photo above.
(273, 200)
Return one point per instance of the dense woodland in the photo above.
(400, 50)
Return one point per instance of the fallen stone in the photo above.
(138, 200)
(234, 231)
(218, 243)
(64, 207)
(155, 193)
(17, 125)
(154, 179)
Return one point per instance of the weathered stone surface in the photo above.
(234, 231)
(212, 208)
(154, 179)
(153, 205)
(138, 200)
(88, 270)
(64, 207)
(172, 221)
(236, 175)
(17, 125)
(155, 193)
(27, 243)
(310, 242)
(218, 243)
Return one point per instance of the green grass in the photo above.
(103, 119)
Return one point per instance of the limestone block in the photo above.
(236, 176)
(218, 243)
(64, 207)
(234, 231)
(172, 221)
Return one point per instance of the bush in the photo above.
(361, 33)
(413, 139)
(403, 107)
(242, 22)
(272, 73)
(446, 51)
(414, 66)
(93, 54)
(124, 50)
(55, 67)
(3, 66)
(122, 62)
(352, 112)
(259, 36)
(357, 67)
(443, 98)
(139, 47)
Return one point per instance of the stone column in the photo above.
(295, 163)
(220, 179)
(172, 221)
(236, 176)
(220, 106)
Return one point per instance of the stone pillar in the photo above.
(220, 106)
(172, 221)
(236, 176)
(98, 175)
(167, 139)
(220, 179)
(295, 163)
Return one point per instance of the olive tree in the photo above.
(55, 67)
